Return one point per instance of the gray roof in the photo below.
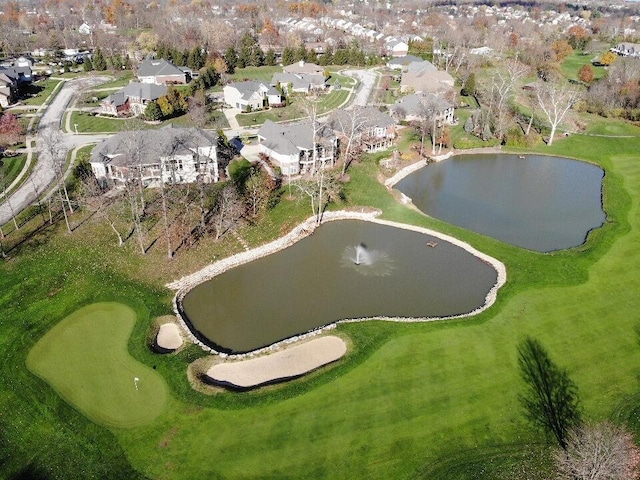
(371, 117)
(423, 66)
(406, 60)
(416, 104)
(153, 68)
(144, 91)
(291, 139)
(151, 145)
(247, 88)
(298, 80)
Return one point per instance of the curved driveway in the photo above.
(43, 175)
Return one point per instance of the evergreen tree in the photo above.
(195, 60)
(231, 59)
(99, 62)
(300, 53)
(257, 57)
(153, 112)
(327, 57)
(270, 58)
(341, 57)
(88, 65)
(288, 56)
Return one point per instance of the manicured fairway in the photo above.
(85, 359)
(408, 401)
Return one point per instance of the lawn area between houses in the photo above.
(88, 123)
(41, 91)
(433, 401)
(295, 110)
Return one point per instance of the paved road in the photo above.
(368, 80)
(43, 174)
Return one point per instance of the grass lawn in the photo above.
(41, 90)
(432, 401)
(262, 74)
(10, 168)
(121, 79)
(295, 110)
(85, 359)
(574, 62)
(94, 124)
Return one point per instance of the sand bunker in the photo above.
(169, 337)
(282, 365)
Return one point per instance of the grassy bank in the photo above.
(428, 401)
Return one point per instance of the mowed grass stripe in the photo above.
(432, 390)
(85, 359)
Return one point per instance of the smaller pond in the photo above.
(346, 269)
(536, 202)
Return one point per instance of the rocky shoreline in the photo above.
(183, 285)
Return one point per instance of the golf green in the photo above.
(85, 359)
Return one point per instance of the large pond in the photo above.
(318, 281)
(536, 202)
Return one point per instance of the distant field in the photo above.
(85, 359)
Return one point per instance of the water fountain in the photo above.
(367, 261)
(362, 255)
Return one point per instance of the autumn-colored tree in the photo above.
(270, 33)
(11, 131)
(578, 37)
(514, 39)
(608, 58)
(585, 74)
(116, 11)
(562, 49)
(147, 42)
(165, 106)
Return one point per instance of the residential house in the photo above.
(291, 147)
(10, 80)
(251, 95)
(627, 49)
(396, 48)
(414, 107)
(426, 79)
(317, 47)
(168, 155)
(161, 72)
(132, 99)
(376, 129)
(402, 63)
(299, 82)
(304, 68)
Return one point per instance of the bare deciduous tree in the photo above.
(603, 451)
(555, 99)
(501, 90)
(350, 125)
(227, 209)
(52, 150)
(94, 199)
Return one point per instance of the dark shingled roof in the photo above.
(150, 145)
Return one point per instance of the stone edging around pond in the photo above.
(306, 228)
